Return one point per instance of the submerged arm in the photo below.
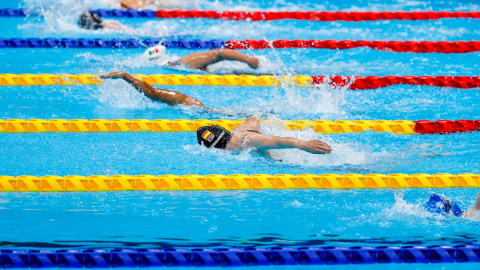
(267, 142)
(162, 95)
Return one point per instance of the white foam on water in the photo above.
(121, 62)
(198, 150)
(342, 153)
(61, 16)
(57, 16)
(119, 94)
(413, 214)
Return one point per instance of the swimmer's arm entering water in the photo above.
(166, 96)
(267, 142)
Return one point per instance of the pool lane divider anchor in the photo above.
(237, 257)
(272, 15)
(132, 43)
(183, 125)
(352, 83)
(103, 183)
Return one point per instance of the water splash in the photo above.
(119, 94)
(342, 154)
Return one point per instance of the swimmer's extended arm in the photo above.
(203, 59)
(162, 95)
(267, 142)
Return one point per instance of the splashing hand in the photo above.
(112, 75)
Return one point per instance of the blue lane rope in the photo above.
(100, 258)
(116, 43)
(11, 12)
(131, 13)
(112, 13)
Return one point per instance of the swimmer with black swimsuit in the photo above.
(245, 136)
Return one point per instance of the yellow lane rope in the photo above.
(162, 125)
(216, 80)
(234, 182)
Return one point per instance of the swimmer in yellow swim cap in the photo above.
(244, 136)
(200, 60)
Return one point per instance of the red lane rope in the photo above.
(395, 46)
(446, 126)
(314, 15)
(373, 82)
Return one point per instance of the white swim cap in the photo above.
(155, 53)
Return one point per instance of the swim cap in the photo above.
(155, 53)
(90, 20)
(439, 204)
(213, 136)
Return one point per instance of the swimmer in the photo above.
(200, 60)
(91, 21)
(138, 4)
(245, 136)
(440, 204)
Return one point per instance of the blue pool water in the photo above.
(239, 218)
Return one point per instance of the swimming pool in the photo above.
(250, 218)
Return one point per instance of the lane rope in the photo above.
(355, 83)
(131, 43)
(183, 125)
(273, 15)
(94, 183)
(240, 257)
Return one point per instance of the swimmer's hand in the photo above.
(267, 142)
(113, 75)
(315, 147)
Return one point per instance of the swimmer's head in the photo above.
(213, 136)
(440, 204)
(90, 20)
(155, 53)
